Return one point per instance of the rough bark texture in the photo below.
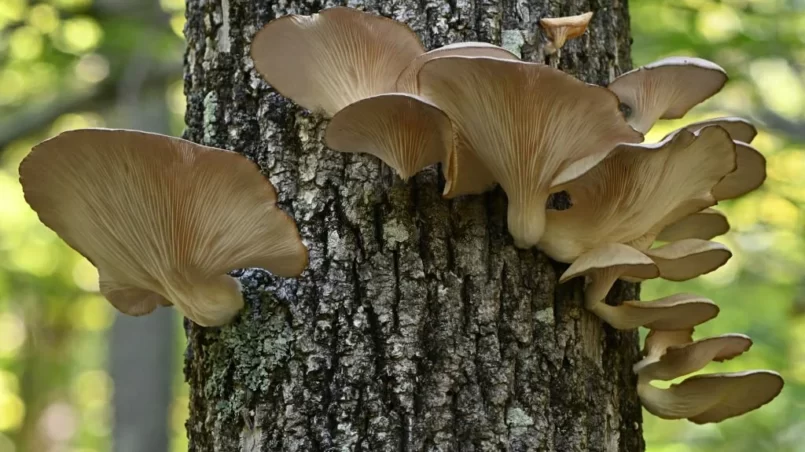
(417, 326)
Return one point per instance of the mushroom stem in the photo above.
(676, 312)
(210, 301)
(595, 293)
(526, 218)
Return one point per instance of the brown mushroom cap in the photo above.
(638, 190)
(739, 129)
(683, 359)
(560, 29)
(667, 89)
(604, 265)
(529, 124)
(163, 219)
(406, 132)
(677, 312)
(749, 174)
(712, 397)
(689, 258)
(702, 225)
(329, 60)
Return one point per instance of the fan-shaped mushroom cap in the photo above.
(679, 360)
(677, 312)
(749, 174)
(407, 82)
(604, 265)
(638, 190)
(712, 397)
(560, 29)
(667, 89)
(163, 219)
(689, 258)
(702, 225)
(329, 60)
(739, 129)
(531, 125)
(405, 132)
(657, 341)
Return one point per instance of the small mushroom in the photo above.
(711, 397)
(329, 60)
(560, 29)
(667, 89)
(637, 190)
(406, 132)
(676, 312)
(677, 360)
(739, 129)
(532, 126)
(703, 225)
(689, 258)
(749, 174)
(163, 219)
(606, 264)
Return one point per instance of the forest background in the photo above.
(66, 356)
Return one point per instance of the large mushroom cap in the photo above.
(638, 190)
(667, 89)
(749, 174)
(689, 258)
(163, 219)
(702, 225)
(405, 132)
(712, 397)
(683, 359)
(529, 124)
(676, 312)
(739, 129)
(560, 29)
(329, 60)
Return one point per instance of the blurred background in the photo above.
(67, 359)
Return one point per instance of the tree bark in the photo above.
(418, 325)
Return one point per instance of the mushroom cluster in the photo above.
(164, 219)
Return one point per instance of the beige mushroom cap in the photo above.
(739, 129)
(683, 359)
(406, 132)
(604, 265)
(560, 29)
(702, 225)
(712, 397)
(749, 174)
(531, 125)
(689, 258)
(637, 190)
(329, 60)
(163, 219)
(676, 312)
(667, 89)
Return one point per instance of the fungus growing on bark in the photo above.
(532, 126)
(162, 219)
(667, 89)
(560, 29)
(711, 397)
(686, 259)
(749, 174)
(739, 129)
(667, 359)
(331, 59)
(702, 225)
(638, 190)
(676, 312)
(406, 132)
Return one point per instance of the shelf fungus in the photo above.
(667, 89)
(532, 126)
(749, 174)
(638, 190)
(560, 29)
(686, 259)
(675, 312)
(702, 398)
(703, 225)
(162, 219)
(739, 129)
(331, 59)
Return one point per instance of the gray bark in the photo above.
(417, 326)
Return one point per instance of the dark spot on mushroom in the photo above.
(625, 109)
(559, 201)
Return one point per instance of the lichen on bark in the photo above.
(417, 326)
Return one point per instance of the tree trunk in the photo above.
(418, 325)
